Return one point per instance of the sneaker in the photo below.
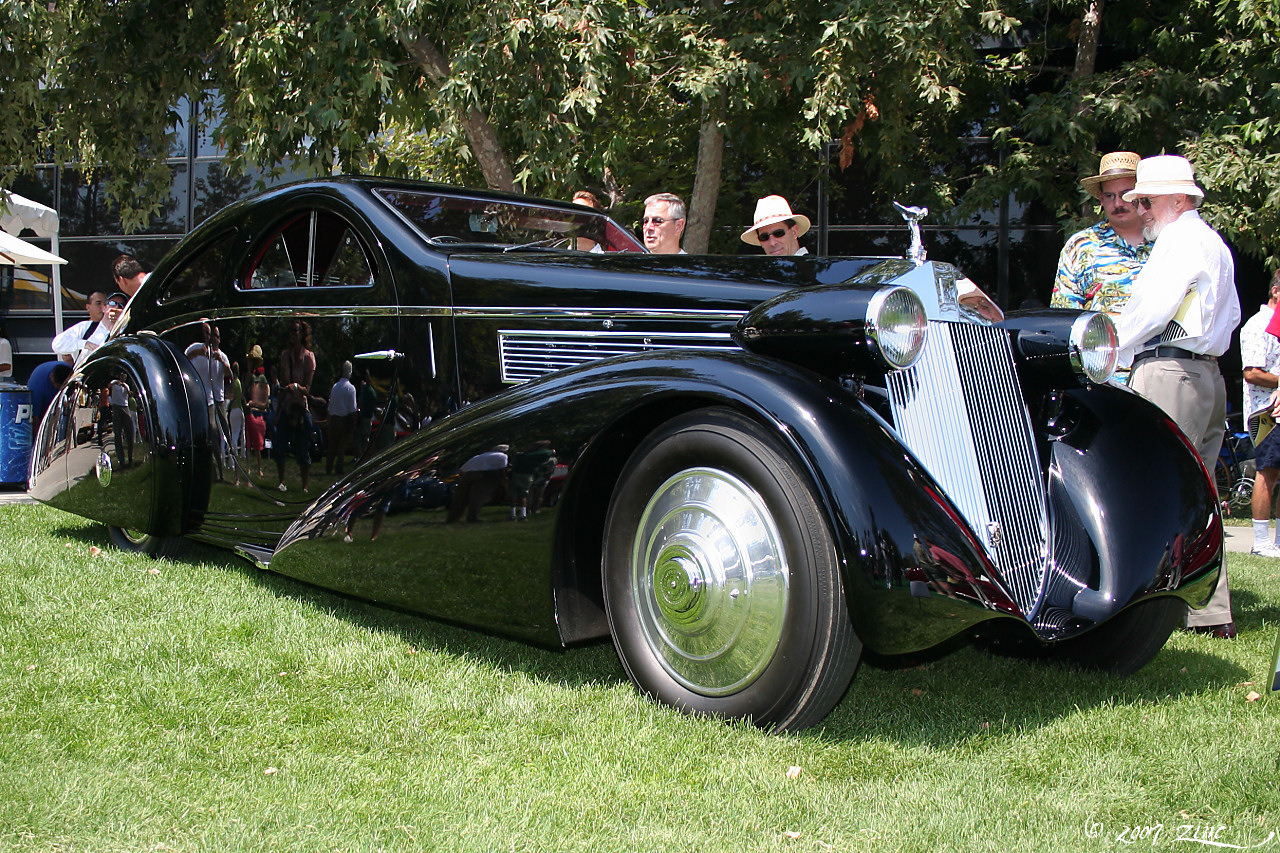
(282, 487)
(1266, 549)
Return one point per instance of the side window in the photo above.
(201, 273)
(348, 266)
(317, 249)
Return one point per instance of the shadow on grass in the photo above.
(90, 534)
(588, 664)
(952, 695)
(1251, 610)
(950, 699)
(972, 694)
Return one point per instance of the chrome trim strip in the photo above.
(311, 253)
(260, 557)
(556, 313)
(258, 312)
(470, 313)
(424, 311)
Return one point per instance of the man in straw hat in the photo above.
(776, 229)
(1097, 266)
(1179, 319)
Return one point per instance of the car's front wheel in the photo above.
(1127, 642)
(143, 543)
(720, 576)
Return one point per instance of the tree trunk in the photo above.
(481, 136)
(1087, 45)
(706, 179)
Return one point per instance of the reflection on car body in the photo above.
(743, 470)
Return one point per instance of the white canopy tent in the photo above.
(20, 213)
(17, 213)
(15, 251)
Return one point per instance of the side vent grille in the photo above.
(527, 355)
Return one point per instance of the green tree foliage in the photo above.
(1199, 78)
(903, 83)
(96, 82)
(702, 97)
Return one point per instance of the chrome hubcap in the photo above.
(102, 468)
(710, 578)
(134, 536)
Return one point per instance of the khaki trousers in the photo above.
(1194, 395)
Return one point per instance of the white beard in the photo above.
(1152, 231)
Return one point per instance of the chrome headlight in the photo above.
(896, 323)
(1093, 347)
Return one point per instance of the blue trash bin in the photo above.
(15, 433)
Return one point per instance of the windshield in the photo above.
(448, 220)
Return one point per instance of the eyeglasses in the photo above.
(766, 236)
(1144, 202)
(654, 220)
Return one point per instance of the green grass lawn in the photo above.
(208, 706)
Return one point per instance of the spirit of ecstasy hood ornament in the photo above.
(913, 215)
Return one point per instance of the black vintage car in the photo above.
(759, 466)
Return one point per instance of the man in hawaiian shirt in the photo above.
(1098, 265)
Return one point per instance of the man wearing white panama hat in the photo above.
(1179, 319)
(776, 229)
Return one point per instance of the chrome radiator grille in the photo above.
(960, 410)
(527, 355)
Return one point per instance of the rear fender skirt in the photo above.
(901, 547)
(140, 460)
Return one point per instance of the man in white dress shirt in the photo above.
(1179, 319)
(68, 343)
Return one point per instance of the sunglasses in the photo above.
(655, 220)
(115, 303)
(1144, 203)
(771, 235)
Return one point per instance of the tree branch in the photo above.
(475, 123)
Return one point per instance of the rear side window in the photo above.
(311, 249)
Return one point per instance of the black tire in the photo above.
(696, 626)
(1127, 642)
(169, 547)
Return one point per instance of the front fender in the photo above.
(914, 576)
(1121, 472)
(139, 460)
